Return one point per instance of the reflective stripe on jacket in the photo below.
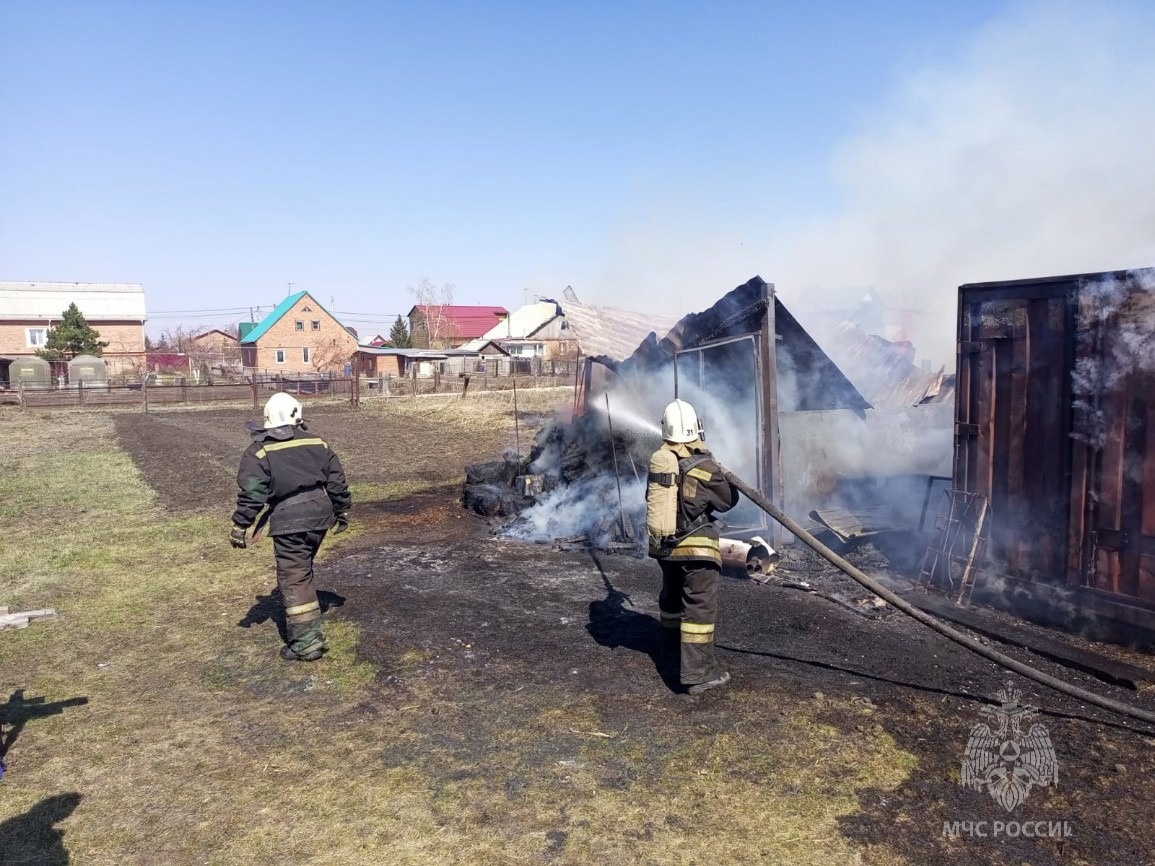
(702, 493)
(298, 477)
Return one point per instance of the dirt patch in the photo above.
(190, 458)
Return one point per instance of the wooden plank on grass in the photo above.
(1099, 666)
(21, 619)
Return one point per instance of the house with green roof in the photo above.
(298, 336)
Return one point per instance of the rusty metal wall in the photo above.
(1055, 424)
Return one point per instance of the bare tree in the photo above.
(431, 327)
(221, 350)
(136, 366)
(330, 355)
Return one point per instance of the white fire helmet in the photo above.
(282, 410)
(680, 423)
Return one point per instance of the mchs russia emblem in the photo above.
(1005, 756)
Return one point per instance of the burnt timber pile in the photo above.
(589, 487)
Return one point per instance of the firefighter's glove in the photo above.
(342, 523)
(237, 538)
(661, 547)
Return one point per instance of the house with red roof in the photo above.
(447, 326)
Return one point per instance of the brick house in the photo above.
(214, 350)
(116, 310)
(298, 336)
(447, 326)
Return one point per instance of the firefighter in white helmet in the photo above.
(685, 489)
(299, 479)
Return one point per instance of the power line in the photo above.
(228, 311)
(206, 310)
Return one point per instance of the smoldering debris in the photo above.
(828, 582)
(578, 488)
(491, 488)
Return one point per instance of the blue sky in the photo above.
(646, 153)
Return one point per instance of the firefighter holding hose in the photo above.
(684, 490)
(300, 480)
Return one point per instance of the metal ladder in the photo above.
(959, 544)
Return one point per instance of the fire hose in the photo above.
(926, 619)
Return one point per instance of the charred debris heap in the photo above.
(567, 490)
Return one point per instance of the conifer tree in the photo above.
(399, 335)
(71, 337)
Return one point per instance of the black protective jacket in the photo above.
(297, 476)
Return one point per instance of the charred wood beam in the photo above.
(931, 622)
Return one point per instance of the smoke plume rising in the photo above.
(1025, 156)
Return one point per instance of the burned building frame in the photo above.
(1055, 426)
(777, 407)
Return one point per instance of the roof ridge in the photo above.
(279, 312)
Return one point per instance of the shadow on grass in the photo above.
(613, 623)
(32, 838)
(272, 607)
(19, 710)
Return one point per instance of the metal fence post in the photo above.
(256, 392)
(80, 392)
(144, 394)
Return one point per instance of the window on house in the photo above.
(298, 325)
(280, 356)
(37, 337)
(305, 354)
(316, 324)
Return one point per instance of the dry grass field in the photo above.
(151, 722)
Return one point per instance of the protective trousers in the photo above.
(689, 605)
(294, 555)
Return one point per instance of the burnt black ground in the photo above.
(499, 615)
(490, 631)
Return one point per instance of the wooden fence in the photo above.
(144, 396)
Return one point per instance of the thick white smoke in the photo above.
(1025, 156)
(1116, 345)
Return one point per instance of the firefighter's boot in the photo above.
(700, 669)
(305, 640)
(720, 680)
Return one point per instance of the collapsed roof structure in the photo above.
(782, 414)
(778, 411)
